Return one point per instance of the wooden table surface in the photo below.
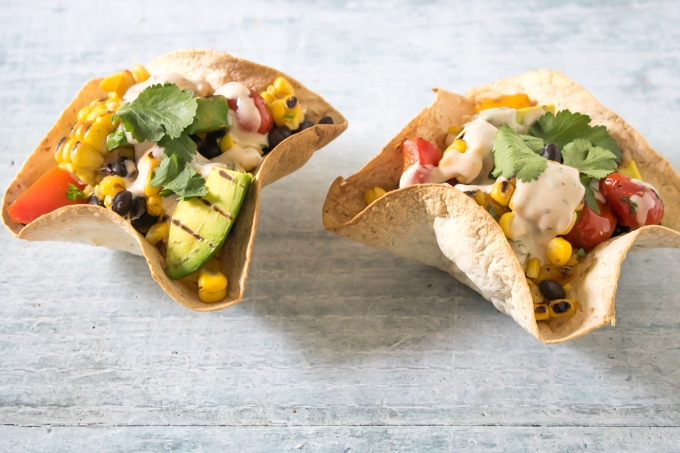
(337, 346)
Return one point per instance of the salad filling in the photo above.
(556, 185)
(174, 157)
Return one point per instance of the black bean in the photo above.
(276, 135)
(326, 120)
(304, 125)
(551, 152)
(144, 222)
(291, 102)
(209, 147)
(138, 208)
(551, 290)
(121, 203)
(95, 200)
(561, 307)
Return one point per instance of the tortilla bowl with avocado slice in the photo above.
(101, 226)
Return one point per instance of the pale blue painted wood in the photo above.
(337, 347)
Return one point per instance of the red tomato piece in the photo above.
(45, 195)
(420, 151)
(592, 228)
(266, 120)
(634, 204)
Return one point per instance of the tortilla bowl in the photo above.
(440, 226)
(99, 226)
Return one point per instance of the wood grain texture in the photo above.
(336, 346)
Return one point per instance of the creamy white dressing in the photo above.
(544, 208)
(473, 165)
(644, 202)
(200, 87)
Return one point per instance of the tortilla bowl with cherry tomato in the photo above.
(527, 190)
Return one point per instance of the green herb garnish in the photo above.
(166, 114)
(513, 157)
(632, 205)
(74, 193)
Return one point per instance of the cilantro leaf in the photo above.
(588, 159)
(74, 193)
(116, 139)
(535, 143)
(183, 147)
(158, 111)
(512, 156)
(590, 194)
(565, 126)
(188, 183)
(167, 170)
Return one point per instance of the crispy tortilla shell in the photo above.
(102, 227)
(440, 226)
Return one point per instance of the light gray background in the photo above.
(337, 346)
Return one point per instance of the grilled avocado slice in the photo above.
(199, 225)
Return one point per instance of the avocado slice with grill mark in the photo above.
(199, 225)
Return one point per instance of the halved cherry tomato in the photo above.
(420, 151)
(633, 203)
(266, 120)
(592, 228)
(45, 195)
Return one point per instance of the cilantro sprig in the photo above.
(166, 114)
(589, 149)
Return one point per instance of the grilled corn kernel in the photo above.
(533, 268)
(283, 87)
(158, 233)
(268, 97)
(458, 145)
(139, 73)
(154, 205)
(95, 134)
(373, 194)
(212, 283)
(541, 311)
(536, 294)
(561, 274)
(97, 110)
(558, 251)
(502, 191)
(78, 130)
(118, 83)
(559, 308)
(109, 186)
(454, 130)
(85, 111)
(84, 156)
(287, 112)
(226, 142)
(515, 101)
(505, 222)
(630, 169)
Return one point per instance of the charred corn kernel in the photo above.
(536, 295)
(153, 162)
(502, 191)
(109, 186)
(97, 110)
(118, 82)
(505, 222)
(573, 259)
(62, 152)
(558, 251)
(139, 73)
(212, 283)
(561, 274)
(287, 112)
(157, 233)
(574, 218)
(480, 198)
(559, 308)
(541, 311)
(533, 268)
(458, 144)
(85, 111)
(630, 169)
(226, 142)
(84, 156)
(78, 130)
(454, 130)
(154, 205)
(95, 134)
(515, 101)
(373, 194)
